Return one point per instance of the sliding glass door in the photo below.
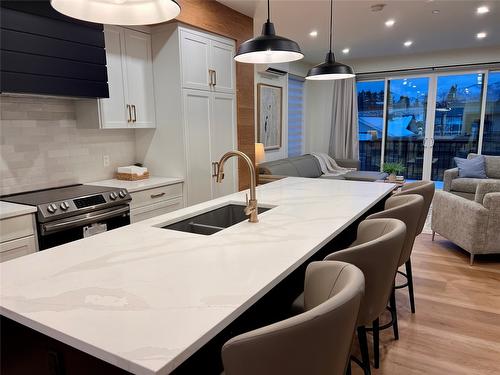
(371, 98)
(425, 121)
(457, 120)
(406, 124)
(491, 133)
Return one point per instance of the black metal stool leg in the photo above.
(394, 314)
(348, 371)
(376, 342)
(363, 346)
(410, 285)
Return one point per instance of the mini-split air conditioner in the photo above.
(269, 71)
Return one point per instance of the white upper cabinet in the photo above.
(139, 73)
(195, 52)
(113, 109)
(222, 64)
(131, 102)
(206, 62)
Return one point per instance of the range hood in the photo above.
(46, 53)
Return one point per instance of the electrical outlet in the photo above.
(105, 160)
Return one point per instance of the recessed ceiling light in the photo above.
(481, 35)
(408, 43)
(436, 11)
(390, 23)
(482, 10)
(345, 51)
(313, 33)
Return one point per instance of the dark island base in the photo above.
(25, 351)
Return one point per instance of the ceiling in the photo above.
(364, 32)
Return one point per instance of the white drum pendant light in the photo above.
(330, 69)
(119, 12)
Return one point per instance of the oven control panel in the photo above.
(69, 207)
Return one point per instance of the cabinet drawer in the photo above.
(17, 248)
(16, 227)
(151, 196)
(156, 209)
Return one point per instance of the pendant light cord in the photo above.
(268, 11)
(331, 25)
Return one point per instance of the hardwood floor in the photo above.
(456, 328)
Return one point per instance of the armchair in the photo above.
(471, 224)
(468, 187)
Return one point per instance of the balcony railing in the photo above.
(410, 152)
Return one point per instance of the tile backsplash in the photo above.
(40, 145)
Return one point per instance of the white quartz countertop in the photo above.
(132, 186)
(8, 209)
(145, 298)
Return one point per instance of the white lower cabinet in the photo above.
(155, 209)
(17, 248)
(17, 237)
(157, 201)
(209, 120)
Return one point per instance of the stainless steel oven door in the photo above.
(72, 228)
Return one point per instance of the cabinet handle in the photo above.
(159, 195)
(129, 113)
(215, 78)
(215, 167)
(135, 113)
(211, 76)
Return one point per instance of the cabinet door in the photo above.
(223, 139)
(223, 64)
(195, 56)
(139, 66)
(113, 110)
(197, 132)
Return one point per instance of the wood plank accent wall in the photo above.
(214, 17)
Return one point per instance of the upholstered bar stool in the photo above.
(425, 189)
(376, 251)
(316, 342)
(406, 208)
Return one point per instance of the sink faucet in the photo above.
(251, 208)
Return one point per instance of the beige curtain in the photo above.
(344, 134)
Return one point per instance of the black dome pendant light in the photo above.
(268, 47)
(330, 69)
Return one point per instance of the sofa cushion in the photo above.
(465, 185)
(471, 168)
(281, 167)
(307, 166)
(365, 176)
(492, 165)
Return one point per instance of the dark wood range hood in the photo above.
(44, 52)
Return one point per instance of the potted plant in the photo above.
(393, 169)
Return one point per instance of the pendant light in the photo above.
(119, 12)
(268, 47)
(330, 69)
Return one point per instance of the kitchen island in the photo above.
(146, 299)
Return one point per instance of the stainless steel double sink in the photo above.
(213, 221)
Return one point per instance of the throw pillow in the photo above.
(471, 168)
